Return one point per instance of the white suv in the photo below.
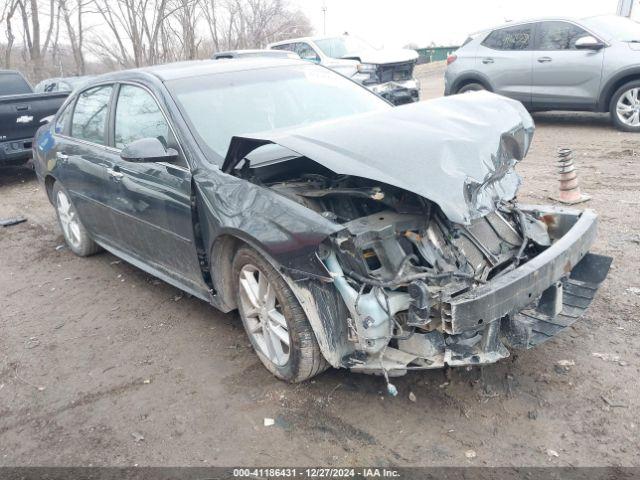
(389, 73)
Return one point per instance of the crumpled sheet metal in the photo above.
(458, 151)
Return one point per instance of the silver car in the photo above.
(591, 64)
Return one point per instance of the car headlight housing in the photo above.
(366, 68)
(367, 73)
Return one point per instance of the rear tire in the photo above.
(471, 87)
(75, 235)
(625, 107)
(276, 324)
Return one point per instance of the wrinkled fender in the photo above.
(286, 234)
(287, 231)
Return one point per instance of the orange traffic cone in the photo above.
(569, 189)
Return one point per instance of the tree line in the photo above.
(45, 38)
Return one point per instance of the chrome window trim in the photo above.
(117, 150)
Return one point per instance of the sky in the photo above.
(395, 23)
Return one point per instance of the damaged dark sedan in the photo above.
(347, 232)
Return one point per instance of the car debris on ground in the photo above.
(8, 222)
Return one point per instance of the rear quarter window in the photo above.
(517, 37)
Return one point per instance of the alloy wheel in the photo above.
(263, 315)
(68, 219)
(628, 107)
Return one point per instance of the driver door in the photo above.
(563, 75)
(152, 206)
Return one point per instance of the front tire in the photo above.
(625, 107)
(75, 235)
(276, 324)
(471, 87)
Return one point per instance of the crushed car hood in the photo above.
(458, 151)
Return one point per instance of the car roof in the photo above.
(307, 39)
(249, 52)
(528, 20)
(197, 68)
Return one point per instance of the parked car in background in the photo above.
(21, 112)
(61, 84)
(254, 53)
(346, 232)
(387, 72)
(591, 64)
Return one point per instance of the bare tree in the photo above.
(235, 24)
(31, 14)
(6, 15)
(70, 10)
(44, 37)
(186, 12)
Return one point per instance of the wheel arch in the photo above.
(472, 77)
(612, 86)
(320, 301)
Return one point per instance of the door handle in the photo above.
(544, 59)
(487, 60)
(115, 174)
(62, 158)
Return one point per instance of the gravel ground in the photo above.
(102, 364)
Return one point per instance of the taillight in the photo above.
(451, 59)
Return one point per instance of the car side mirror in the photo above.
(148, 150)
(588, 43)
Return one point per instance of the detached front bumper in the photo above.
(534, 302)
(398, 93)
(573, 233)
(520, 309)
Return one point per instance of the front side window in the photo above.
(90, 115)
(138, 116)
(558, 36)
(517, 37)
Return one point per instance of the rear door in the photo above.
(506, 59)
(563, 76)
(82, 162)
(152, 202)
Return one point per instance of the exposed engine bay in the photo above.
(435, 261)
(398, 263)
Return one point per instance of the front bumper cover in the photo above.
(515, 291)
(520, 309)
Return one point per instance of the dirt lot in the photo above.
(101, 364)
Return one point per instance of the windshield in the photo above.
(614, 27)
(344, 46)
(220, 106)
